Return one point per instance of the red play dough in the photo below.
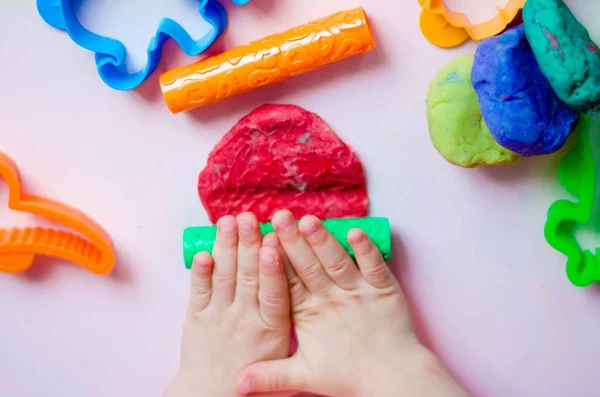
(282, 156)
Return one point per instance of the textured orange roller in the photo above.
(268, 60)
(91, 248)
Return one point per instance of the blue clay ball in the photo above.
(517, 102)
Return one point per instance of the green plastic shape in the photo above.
(200, 239)
(577, 174)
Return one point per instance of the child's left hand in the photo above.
(239, 311)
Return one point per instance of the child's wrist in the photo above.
(178, 387)
(402, 375)
(187, 385)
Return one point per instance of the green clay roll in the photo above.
(199, 239)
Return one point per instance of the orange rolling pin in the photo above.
(267, 61)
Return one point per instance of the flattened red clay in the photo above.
(282, 156)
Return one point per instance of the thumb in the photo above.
(273, 376)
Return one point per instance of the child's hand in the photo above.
(353, 325)
(239, 311)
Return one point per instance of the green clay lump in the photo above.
(456, 126)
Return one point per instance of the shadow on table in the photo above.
(44, 267)
(400, 265)
(319, 80)
(530, 168)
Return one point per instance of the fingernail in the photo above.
(271, 241)
(245, 227)
(311, 229)
(267, 258)
(248, 386)
(356, 236)
(284, 223)
(226, 228)
(202, 263)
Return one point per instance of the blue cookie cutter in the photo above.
(111, 53)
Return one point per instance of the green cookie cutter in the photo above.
(199, 239)
(577, 174)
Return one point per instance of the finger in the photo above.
(336, 261)
(201, 289)
(273, 376)
(372, 266)
(274, 295)
(225, 257)
(248, 248)
(298, 291)
(300, 254)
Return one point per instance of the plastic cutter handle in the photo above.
(199, 239)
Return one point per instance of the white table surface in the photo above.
(489, 295)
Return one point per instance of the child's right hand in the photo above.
(353, 324)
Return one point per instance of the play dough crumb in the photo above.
(456, 126)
